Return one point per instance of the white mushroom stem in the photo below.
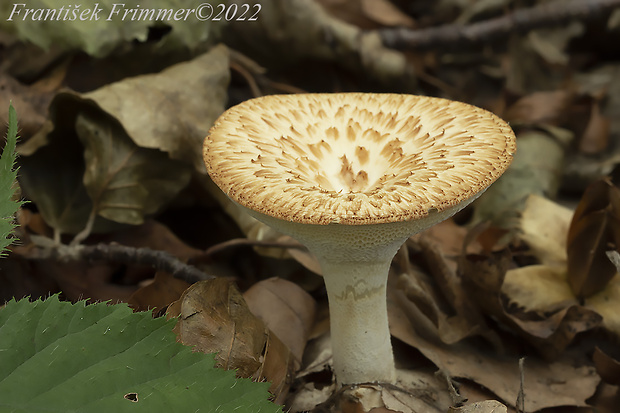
(355, 261)
(362, 351)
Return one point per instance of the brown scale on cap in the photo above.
(355, 158)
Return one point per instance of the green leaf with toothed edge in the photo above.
(8, 174)
(61, 357)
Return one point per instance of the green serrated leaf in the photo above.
(8, 175)
(62, 357)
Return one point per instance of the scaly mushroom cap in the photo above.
(355, 158)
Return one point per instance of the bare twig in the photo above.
(519, 21)
(84, 233)
(254, 75)
(159, 260)
(256, 92)
(243, 242)
(520, 404)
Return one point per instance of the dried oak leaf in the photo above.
(594, 230)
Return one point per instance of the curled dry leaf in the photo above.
(595, 138)
(594, 230)
(500, 372)
(286, 309)
(483, 278)
(124, 181)
(544, 288)
(553, 334)
(606, 366)
(135, 138)
(606, 304)
(183, 102)
(440, 298)
(214, 318)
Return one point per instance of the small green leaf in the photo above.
(62, 357)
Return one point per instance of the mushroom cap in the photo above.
(355, 158)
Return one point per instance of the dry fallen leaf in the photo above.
(595, 138)
(438, 298)
(286, 309)
(594, 230)
(550, 333)
(544, 288)
(605, 303)
(414, 392)
(111, 144)
(214, 317)
(543, 226)
(540, 107)
(547, 384)
(367, 14)
(157, 294)
(385, 13)
(606, 366)
(539, 288)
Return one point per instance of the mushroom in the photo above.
(352, 176)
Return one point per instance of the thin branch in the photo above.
(519, 21)
(520, 404)
(159, 260)
(256, 92)
(243, 242)
(84, 233)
